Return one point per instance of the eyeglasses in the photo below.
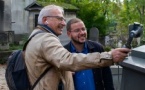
(79, 30)
(58, 17)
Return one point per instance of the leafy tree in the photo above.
(93, 15)
(109, 15)
(92, 12)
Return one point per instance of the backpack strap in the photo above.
(42, 29)
(47, 69)
(25, 45)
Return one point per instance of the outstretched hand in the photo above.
(119, 54)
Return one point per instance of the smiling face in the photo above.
(77, 32)
(55, 21)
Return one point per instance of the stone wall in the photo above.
(20, 16)
(23, 22)
(1, 14)
(7, 15)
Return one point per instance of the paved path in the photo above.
(3, 84)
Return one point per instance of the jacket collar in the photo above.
(90, 46)
(47, 28)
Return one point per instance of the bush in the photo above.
(107, 48)
(15, 46)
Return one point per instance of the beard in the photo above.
(77, 41)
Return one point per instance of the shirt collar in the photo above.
(73, 49)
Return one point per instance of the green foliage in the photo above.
(62, 4)
(107, 48)
(104, 14)
(91, 12)
(93, 16)
(15, 46)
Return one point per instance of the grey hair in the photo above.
(46, 11)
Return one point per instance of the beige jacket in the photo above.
(45, 50)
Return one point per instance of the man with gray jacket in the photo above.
(45, 50)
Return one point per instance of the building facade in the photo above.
(20, 17)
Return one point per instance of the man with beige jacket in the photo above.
(45, 50)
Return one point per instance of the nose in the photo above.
(63, 23)
(82, 32)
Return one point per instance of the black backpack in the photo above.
(16, 71)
